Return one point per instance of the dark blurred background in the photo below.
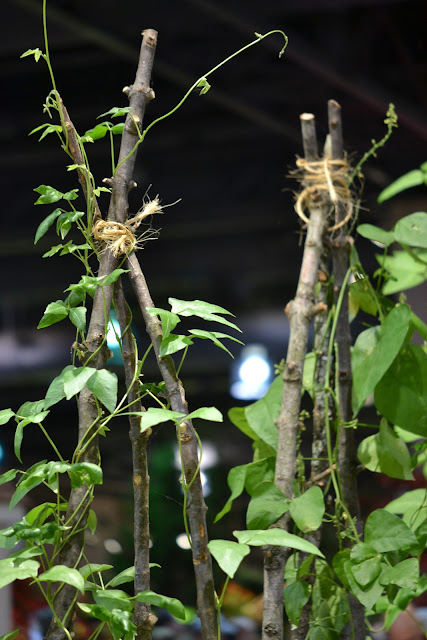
(233, 239)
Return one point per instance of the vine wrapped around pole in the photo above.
(340, 244)
(300, 312)
(95, 346)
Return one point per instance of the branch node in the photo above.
(108, 181)
(126, 90)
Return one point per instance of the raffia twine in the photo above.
(328, 179)
(120, 238)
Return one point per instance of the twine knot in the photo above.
(326, 181)
(120, 238)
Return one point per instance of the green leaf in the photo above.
(168, 319)
(251, 474)
(267, 505)
(215, 337)
(384, 532)
(411, 179)
(374, 351)
(206, 413)
(30, 410)
(386, 453)
(90, 569)
(54, 312)
(56, 392)
(92, 521)
(61, 573)
(371, 232)
(34, 476)
(8, 476)
(174, 343)
(409, 500)
(174, 606)
(154, 416)
(45, 225)
(401, 396)
(117, 130)
(405, 574)
(72, 195)
(112, 277)
(237, 415)
(406, 270)
(6, 415)
(367, 571)
(85, 473)
(204, 86)
(12, 634)
(278, 537)
(17, 442)
(367, 596)
(65, 220)
(37, 53)
(78, 317)
(76, 379)
(112, 599)
(97, 132)
(361, 296)
(228, 554)
(116, 112)
(261, 415)
(103, 384)
(201, 309)
(412, 230)
(127, 575)
(307, 510)
(87, 284)
(296, 595)
(236, 482)
(9, 572)
(48, 194)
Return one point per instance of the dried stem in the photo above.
(74, 149)
(95, 344)
(347, 462)
(142, 617)
(300, 312)
(196, 509)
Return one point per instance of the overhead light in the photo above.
(182, 541)
(252, 373)
(113, 336)
(112, 546)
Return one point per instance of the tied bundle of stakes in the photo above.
(328, 180)
(120, 238)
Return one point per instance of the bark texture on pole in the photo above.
(142, 617)
(196, 508)
(95, 347)
(300, 312)
(347, 460)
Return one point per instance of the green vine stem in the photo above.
(204, 87)
(347, 459)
